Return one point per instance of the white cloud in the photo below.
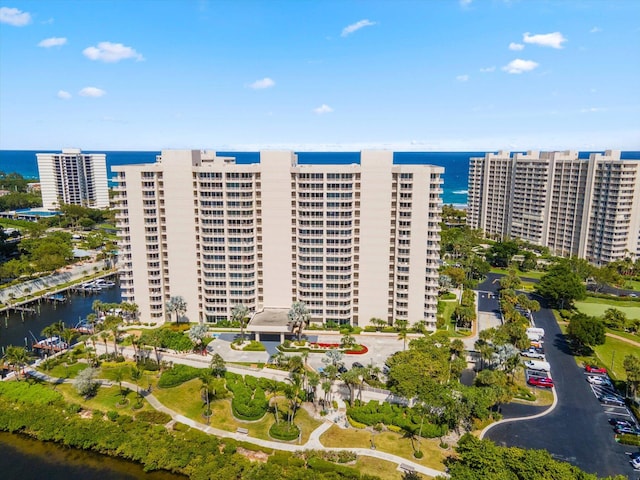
(595, 30)
(92, 92)
(516, 46)
(322, 109)
(111, 52)
(519, 66)
(465, 3)
(488, 69)
(553, 40)
(64, 95)
(356, 26)
(261, 84)
(14, 17)
(592, 110)
(53, 42)
(462, 78)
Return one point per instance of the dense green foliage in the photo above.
(39, 254)
(408, 419)
(178, 375)
(483, 459)
(19, 200)
(249, 400)
(167, 337)
(586, 332)
(153, 416)
(28, 393)
(183, 450)
(284, 431)
(561, 285)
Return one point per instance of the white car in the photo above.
(532, 353)
(598, 380)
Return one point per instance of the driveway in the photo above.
(577, 430)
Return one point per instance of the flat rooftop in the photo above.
(270, 320)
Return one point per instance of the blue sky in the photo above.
(320, 75)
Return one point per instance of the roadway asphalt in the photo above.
(577, 430)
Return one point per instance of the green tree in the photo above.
(632, 368)
(561, 285)
(615, 318)
(239, 315)
(85, 383)
(178, 305)
(586, 332)
(217, 365)
(17, 357)
(299, 317)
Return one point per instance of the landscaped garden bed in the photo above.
(315, 347)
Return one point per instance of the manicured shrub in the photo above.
(284, 431)
(178, 375)
(418, 454)
(320, 465)
(112, 415)
(154, 416)
(628, 439)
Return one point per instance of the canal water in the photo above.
(25, 458)
(19, 329)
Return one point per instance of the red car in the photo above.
(594, 369)
(540, 382)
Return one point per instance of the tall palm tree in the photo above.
(205, 389)
(299, 317)
(239, 314)
(178, 305)
(104, 335)
(17, 357)
(112, 322)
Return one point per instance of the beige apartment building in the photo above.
(589, 208)
(352, 241)
(73, 178)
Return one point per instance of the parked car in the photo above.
(619, 422)
(538, 365)
(635, 460)
(598, 380)
(540, 382)
(357, 365)
(342, 369)
(627, 430)
(611, 399)
(595, 369)
(532, 353)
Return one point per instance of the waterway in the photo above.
(18, 329)
(25, 458)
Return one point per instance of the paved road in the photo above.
(577, 430)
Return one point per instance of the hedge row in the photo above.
(284, 431)
(178, 375)
(373, 413)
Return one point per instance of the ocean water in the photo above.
(456, 164)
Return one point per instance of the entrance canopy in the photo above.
(270, 320)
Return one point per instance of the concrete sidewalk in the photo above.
(313, 443)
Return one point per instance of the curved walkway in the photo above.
(520, 419)
(313, 442)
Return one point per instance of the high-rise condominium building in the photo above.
(73, 178)
(352, 242)
(589, 208)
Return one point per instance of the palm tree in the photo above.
(118, 376)
(136, 376)
(104, 335)
(295, 364)
(112, 322)
(205, 388)
(239, 314)
(67, 336)
(403, 335)
(217, 365)
(347, 341)
(351, 378)
(326, 387)
(313, 381)
(292, 393)
(299, 317)
(16, 357)
(178, 305)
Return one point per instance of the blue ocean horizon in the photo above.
(456, 164)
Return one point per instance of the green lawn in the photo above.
(610, 355)
(390, 442)
(597, 306)
(106, 399)
(530, 274)
(65, 371)
(632, 284)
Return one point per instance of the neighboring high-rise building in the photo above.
(73, 178)
(589, 208)
(352, 242)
